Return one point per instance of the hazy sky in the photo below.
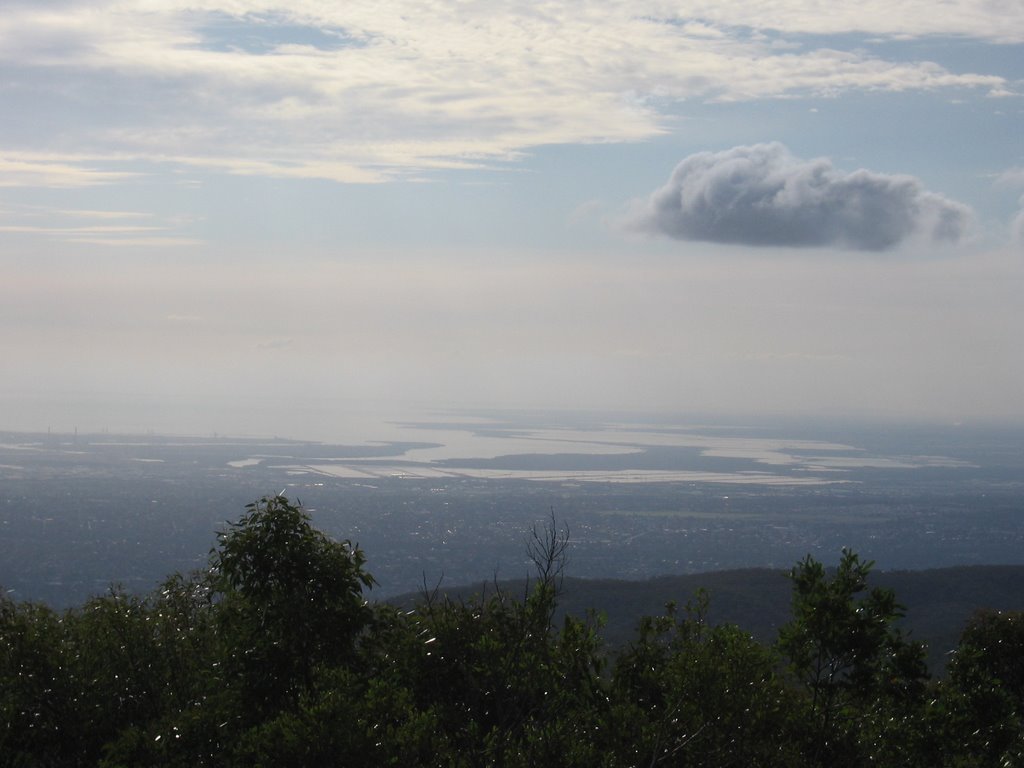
(249, 216)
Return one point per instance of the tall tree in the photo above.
(862, 677)
(686, 693)
(291, 599)
(983, 696)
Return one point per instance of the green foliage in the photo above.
(36, 696)
(273, 657)
(690, 694)
(508, 685)
(983, 697)
(865, 682)
(290, 599)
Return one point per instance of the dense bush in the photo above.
(274, 657)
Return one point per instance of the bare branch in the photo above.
(548, 551)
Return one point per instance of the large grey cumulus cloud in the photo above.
(761, 195)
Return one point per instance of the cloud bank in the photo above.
(763, 196)
(358, 93)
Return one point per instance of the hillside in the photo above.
(938, 601)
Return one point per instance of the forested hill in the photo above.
(938, 602)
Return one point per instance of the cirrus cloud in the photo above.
(762, 195)
(355, 93)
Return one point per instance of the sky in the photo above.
(247, 217)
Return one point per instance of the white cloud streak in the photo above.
(763, 196)
(107, 228)
(354, 92)
(1017, 225)
(1012, 177)
(33, 169)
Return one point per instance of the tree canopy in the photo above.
(274, 656)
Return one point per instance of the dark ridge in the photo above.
(938, 601)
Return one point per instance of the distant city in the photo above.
(453, 500)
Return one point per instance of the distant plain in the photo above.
(452, 497)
